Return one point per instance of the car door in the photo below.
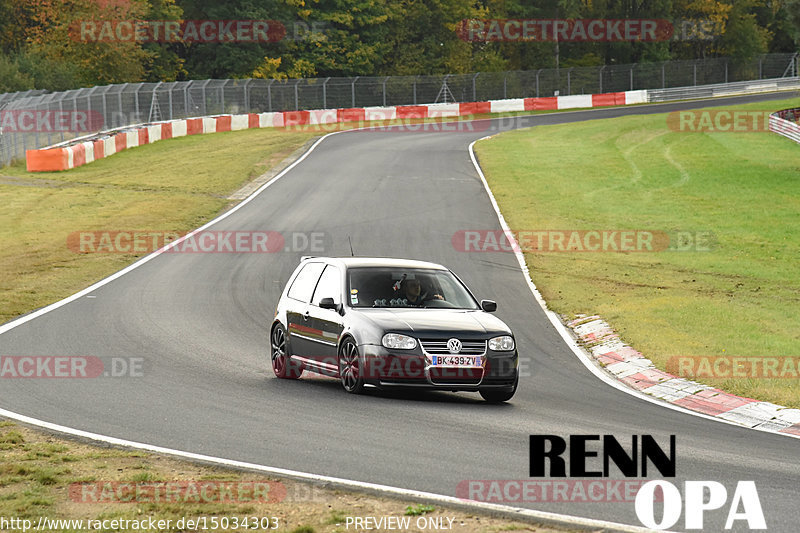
(298, 314)
(327, 324)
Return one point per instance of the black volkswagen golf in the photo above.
(391, 323)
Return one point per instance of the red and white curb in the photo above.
(637, 372)
(82, 151)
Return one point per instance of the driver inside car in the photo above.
(411, 292)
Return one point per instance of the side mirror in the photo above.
(328, 303)
(490, 306)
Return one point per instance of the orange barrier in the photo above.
(194, 126)
(606, 99)
(295, 118)
(474, 108)
(412, 111)
(541, 104)
(47, 160)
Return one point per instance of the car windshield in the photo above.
(407, 287)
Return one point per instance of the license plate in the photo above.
(456, 360)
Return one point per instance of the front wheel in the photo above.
(282, 363)
(500, 395)
(350, 368)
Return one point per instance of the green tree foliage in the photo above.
(12, 79)
(744, 39)
(366, 38)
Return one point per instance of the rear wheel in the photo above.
(282, 363)
(500, 395)
(350, 367)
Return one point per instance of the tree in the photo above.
(744, 39)
(60, 37)
(12, 79)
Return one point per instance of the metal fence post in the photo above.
(760, 66)
(474, 88)
(569, 81)
(205, 98)
(296, 95)
(694, 70)
(269, 94)
(726, 71)
(537, 81)
(415, 90)
(247, 96)
(600, 76)
(105, 107)
(88, 102)
(222, 95)
(186, 98)
(169, 96)
(325, 93)
(353, 91)
(505, 85)
(384, 90)
(119, 99)
(61, 109)
(631, 74)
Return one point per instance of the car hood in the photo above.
(433, 323)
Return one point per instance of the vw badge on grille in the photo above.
(454, 346)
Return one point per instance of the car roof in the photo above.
(354, 262)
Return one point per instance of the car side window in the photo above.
(303, 286)
(329, 286)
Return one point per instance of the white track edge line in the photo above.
(567, 336)
(316, 478)
(386, 489)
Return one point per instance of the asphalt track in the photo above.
(200, 323)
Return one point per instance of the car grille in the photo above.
(439, 347)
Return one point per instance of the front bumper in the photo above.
(413, 368)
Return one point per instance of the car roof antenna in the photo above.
(352, 254)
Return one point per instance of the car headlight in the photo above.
(502, 344)
(397, 341)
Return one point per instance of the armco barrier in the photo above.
(785, 122)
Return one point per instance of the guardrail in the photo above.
(787, 123)
(724, 89)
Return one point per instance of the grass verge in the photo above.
(738, 299)
(171, 186)
(45, 476)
